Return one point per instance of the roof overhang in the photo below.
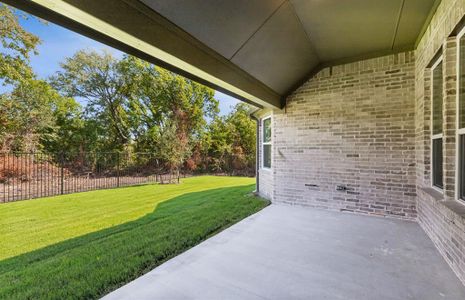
(257, 51)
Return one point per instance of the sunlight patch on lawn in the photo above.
(32, 224)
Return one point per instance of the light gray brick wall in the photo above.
(442, 216)
(351, 125)
(367, 126)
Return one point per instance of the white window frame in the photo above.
(263, 143)
(459, 131)
(439, 135)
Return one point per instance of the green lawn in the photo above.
(88, 244)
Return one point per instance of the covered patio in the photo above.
(286, 252)
(361, 108)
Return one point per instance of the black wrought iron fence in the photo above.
(34, 175)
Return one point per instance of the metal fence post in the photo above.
(62, 162)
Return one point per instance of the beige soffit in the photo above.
(256, 50)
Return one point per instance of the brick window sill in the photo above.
(456, 207)
(453, 205)
(437, 195)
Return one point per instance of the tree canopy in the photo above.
(97, 102)
(17, 46)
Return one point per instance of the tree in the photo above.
(97, 78)
(130, 105)
(243, 138)
(70, 133)
(27, 112)
(231, 142)
(220, 150)
(166, 109)
(171, 149)
(159, 96)
(137, 104)
(27, 115)
(17, 44)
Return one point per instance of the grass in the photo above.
(88, 244)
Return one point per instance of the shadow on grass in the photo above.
(97, 263)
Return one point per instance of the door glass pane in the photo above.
(267, 130)
(267, 156)
(462, 83)
(437, 99)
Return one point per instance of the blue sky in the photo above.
(58, 43)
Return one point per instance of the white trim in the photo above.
(459, 131)
(436, 63)
(437, 189)
(439, 135)
(263, 143)
(461, 33)
(457, 168)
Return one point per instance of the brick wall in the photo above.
(351, 125)
(367, 126)
(441, 215)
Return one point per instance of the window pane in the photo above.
(462, 166)
(437, 163)
(267, 130)
(267, 156)
(462, 83)
(437, 99)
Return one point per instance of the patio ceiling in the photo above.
(256, 50)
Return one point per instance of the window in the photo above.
(266, 143)
(436, 138)
(461, 116)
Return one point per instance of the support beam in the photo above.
(132, 27)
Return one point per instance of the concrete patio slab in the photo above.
(286, 252)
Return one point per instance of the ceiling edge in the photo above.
(427, 21)
(245, 87)
(339, 62)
